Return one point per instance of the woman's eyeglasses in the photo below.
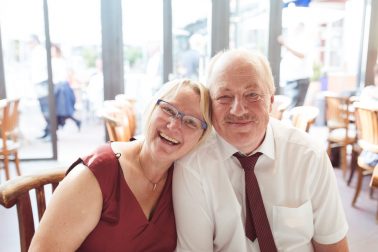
(189, 121)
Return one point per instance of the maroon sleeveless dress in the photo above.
(123, 225)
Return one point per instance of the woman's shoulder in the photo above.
(103, 161)
(100, 155)
(125, 149)
(108, 152)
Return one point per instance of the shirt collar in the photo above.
(266, 147)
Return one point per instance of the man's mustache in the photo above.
(244, 118)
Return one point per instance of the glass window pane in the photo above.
(143, 46)
(191, 38)
(249, 24)
(79, 40)
(75, 34)
(25, 65)
(331, 40)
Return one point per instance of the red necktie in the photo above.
(256, 223)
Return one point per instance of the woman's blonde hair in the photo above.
(171, 89)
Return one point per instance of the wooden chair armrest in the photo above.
(15, 192)
(11, 189)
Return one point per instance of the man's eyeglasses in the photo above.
(189, 121)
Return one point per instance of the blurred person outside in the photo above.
(190, 59)
(64, 95)
(154, 68)
(216, 188)
(119, 198)
(95, 90)
(296, 64)
(39, 78)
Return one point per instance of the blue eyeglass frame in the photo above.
(182, 114)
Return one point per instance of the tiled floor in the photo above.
(363, 230)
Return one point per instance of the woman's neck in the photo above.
(154, 170)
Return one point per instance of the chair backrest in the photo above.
(118, 130)
(128, 110)
(367, 126)
(16, 192)
(119, 118)
(10, 119)
(337, 111)
(128, 107)
(280, 105)
(303, 117)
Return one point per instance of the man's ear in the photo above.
(271, 103)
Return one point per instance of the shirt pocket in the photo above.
(293, 227)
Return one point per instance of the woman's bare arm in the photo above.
(72, 213)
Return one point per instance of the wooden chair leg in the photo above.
(17, 162)
(358, 186)
(353, 165)
(6, 167)
(343, 159)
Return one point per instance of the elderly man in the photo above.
(256, 184)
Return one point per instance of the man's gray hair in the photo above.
(256, 60)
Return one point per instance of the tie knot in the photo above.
(248, 162)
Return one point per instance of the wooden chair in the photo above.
(119, 117)
(16, 192)
(303, 117)
(118, 130)
(280, 105)
(127, 106)
(374, 184)
(374, 178)
(367, 129)
(9, 132)
(341, 134)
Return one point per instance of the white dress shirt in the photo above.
(297, 184)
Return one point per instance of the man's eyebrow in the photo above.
(252, 86)
(221, 86)
(223, 89)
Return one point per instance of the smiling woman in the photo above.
(126, 187)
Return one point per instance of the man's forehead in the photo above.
(233, 63)
(234, 75)
(223, 86)
(232, 70)
(235, 69)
